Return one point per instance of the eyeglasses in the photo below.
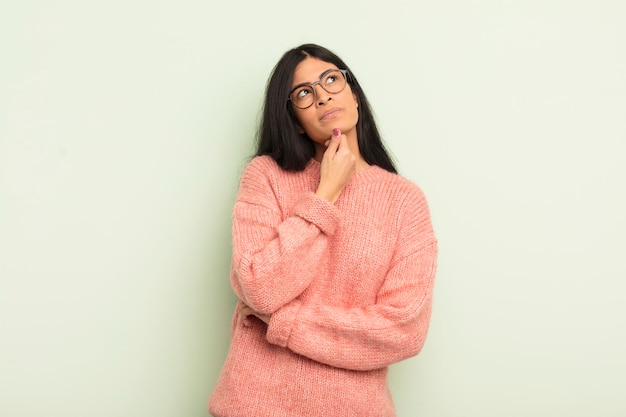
(332, 81)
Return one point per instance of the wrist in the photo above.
(327, 194)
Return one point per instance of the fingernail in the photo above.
(335, 132)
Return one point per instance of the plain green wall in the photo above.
(124, 126)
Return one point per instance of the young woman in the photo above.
(334, 255)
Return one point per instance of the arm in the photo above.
(375, 336)
(275, 259)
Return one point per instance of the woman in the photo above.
(333, 255)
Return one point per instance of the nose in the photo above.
(321, 95)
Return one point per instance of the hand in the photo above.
(246, 312)
(338, 165)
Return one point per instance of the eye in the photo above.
(331, 78)
(302, 93)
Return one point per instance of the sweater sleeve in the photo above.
(374, 336)
(276, 258)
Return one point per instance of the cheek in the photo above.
(305, 122)
(353, 113)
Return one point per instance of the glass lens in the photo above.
(303, 96)
(333, 82)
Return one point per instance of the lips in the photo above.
(330, 114)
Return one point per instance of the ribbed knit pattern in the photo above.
(348, 286)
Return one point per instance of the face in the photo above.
(328, 111)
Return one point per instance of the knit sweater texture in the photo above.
(348, 287)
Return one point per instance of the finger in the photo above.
(245, 313)
(333, 143)
(334, 137)
(242, 317)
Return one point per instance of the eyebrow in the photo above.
(322, 73)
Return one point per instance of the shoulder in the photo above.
(260, 169)
(260, 166)
(265, 168)
(413, 218)
(403, 190)
(406, 203)
(257, 177)
(263, 175)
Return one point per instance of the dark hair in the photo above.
(278, 134)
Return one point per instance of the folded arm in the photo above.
(370, 337)
(275, 258)
(391, 329)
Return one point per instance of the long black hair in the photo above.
(278, 134)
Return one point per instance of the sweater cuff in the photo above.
(281, 323)
(318, 211)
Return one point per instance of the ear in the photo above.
(300, 130)
(355, 100)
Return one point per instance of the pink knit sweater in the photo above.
(348, 286)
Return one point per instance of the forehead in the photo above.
(309, 70)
